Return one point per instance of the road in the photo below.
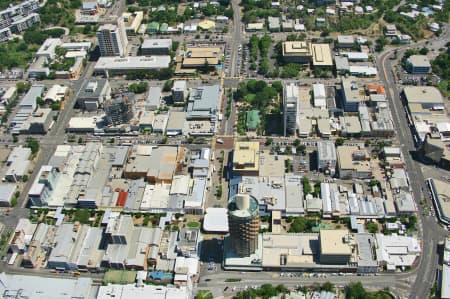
(236, 37)
(431, 232)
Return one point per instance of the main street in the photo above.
(430, 232)
(236, 37)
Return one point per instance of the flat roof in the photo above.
(345, 158)
(27, 286)
(332, 242)
(176, 120)
(419, 61)
(216, 220)
(296, 48)
(157, 43)
(423, 94)
(133, 63)
(321, 54)
(445, 284)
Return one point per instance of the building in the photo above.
(353, 163)
(290, 103)
(176, 122)
(132, 21)
(179, 91)
(21, 238)
(350, 94)
(345, 41)
(246, 158)
(394, 251)
(195, 58)
(356, 56)
(297, 51)
(141, 290)
(110, 66)
(320, 97)
(7, 193)
(439, 193)
(418, 64)
(48, 48)
(56, 93)
(321, 56)
(436, 150)
(243, 219)
(188, 242)
(326, 157)
(154, 97)
(19, 17)
(274, 24)
(111, 40)
(156, 47)
(33, 287)
(17, 163)
(120, 109)
(335, 247)
(93, 93)
(203, 103)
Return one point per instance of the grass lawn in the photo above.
(193, 224)
(444, 87)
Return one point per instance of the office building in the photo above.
(418, 64)
(243, 219)
(120, 109)
(203, 103)
(345, 41)
(335, 247)
(291, 96)
(153, 101)
(156, 46)
(93, 93)
(353, 163)
(326, 157)
(246, 158)
(351, 95)
(111, 40)
(132, 21)
(179, 91)
(320, 97)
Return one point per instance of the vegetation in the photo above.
(140, 87)
(372, 227)
(33, 144)
(265, 291)
(82, 216)
(307, 189)
(441, 67)
(339, 141)
(301, 225)
(163, 74)
(219, 192)
(59, 13)
(355, 290)
(64, 65)
(193, 224)
(203, 294)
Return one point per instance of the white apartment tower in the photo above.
(290, 104)
(112, 39)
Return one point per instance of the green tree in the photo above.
(307, 189)
(268, 141)
(203, 294)
(372, 227)
(339, 141)
(328, 287)
(355, 290)
(33, 144)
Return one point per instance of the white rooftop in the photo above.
(216, 220)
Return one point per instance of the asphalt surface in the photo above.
(236, 37)
(430, 231)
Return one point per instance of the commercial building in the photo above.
(320, 97)
(290, 103)
(297, 51)
(353, 163)
(203, 103)
(7, 192)
(156, 46)
(140, 290)
(18, 163)
(274, 24)
(22, 236)
(345, 41)
(439, 193)
(326, 157)
(437, 151)
(418, 64)
(176, 122)
(120, 109)
(110, 66)
(56, 93)
(394, 251)
(154, 97)
(335, 247)
(321, 56)
(179, 91)
(48, 48)
(93, 93)
(197, 57)
(32, 286)
(351, 95)
(132, 21)
(112, 40)
(216, 220)
(243, 219)
(246, 158)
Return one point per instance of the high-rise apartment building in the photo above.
(290, 104)
(112, 39)
(243, 219)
